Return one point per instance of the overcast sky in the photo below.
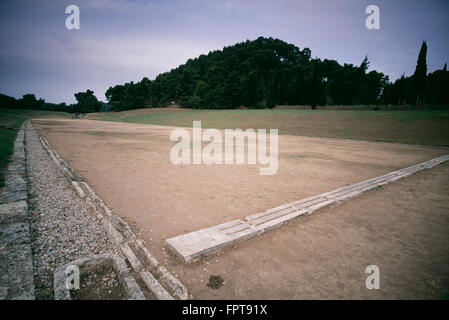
(125, 40)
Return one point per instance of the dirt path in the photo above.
(319, 257)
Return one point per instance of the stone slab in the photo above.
(17, 166)
(288, 218)
(15, 182)
(78, 189)
(170, 281)
(132, 258)
(14, 233)
(155, 287)
(14, 212)
(193, 245)
(13, 196)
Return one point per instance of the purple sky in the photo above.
(121, 41)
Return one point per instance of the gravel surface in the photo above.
(63, 226)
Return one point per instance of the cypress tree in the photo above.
(419, 77)
(315, 90)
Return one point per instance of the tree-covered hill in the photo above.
(255, 74)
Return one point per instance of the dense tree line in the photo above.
(86, 102)
(420, 88)
(29, 101)
(260, 74)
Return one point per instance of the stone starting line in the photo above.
(195, 245)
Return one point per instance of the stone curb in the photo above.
(133, 291)
(121, 235)
(154, 286)
(192, 246)
(17, 277)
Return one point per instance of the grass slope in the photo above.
(8, 132)
(413, 127)
(10, 121)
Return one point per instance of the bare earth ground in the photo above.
(402, 229)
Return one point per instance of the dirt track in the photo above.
(403, 229)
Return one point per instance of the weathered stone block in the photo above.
(154, 286)
(12, 196)
(14, 233)
(16, 166)
(14, 212)
(15, 182)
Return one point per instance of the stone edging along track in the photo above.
(159, 281)
(16, 261)
(194, 245)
